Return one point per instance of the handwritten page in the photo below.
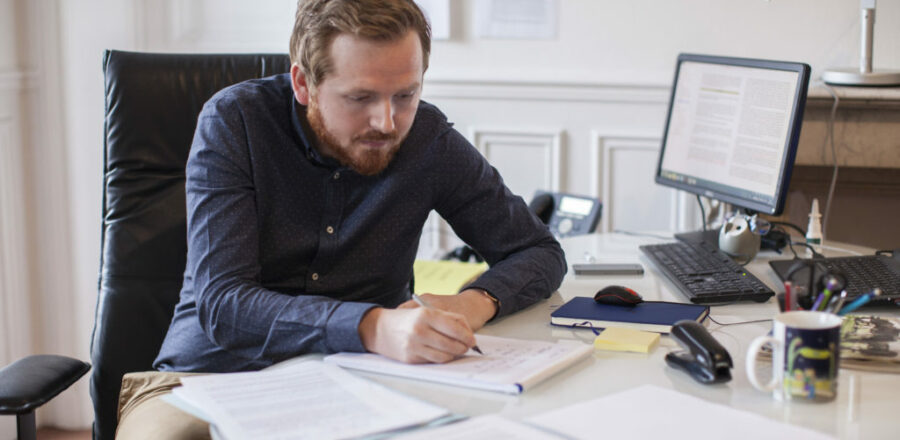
(302, 400)
(490, 427)
(652, 412)
(508, 365)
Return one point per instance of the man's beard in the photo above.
(365, 161)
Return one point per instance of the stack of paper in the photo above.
(300, 400)
(871, 343)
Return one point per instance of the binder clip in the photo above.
(705, 359)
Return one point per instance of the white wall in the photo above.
(587, 107)
(16, 340)
(635, 41)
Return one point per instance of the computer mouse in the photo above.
(618, 296)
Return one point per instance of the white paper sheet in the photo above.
(438, 14)
(302, 400)
(508, 365)
(652, 412)
(491, 427)
(520, 19)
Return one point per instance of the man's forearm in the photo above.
(524, 277)
(480, 307)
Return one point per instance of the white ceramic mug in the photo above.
(805, 356)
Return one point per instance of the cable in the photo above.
(739, 322)
(702, 212)
(799, 229)
(816, 255)
(829, 137)
(793, 251)
(640, 234)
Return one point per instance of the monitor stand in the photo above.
(710, 236)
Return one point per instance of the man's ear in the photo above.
(299, 84)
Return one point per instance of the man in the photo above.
(307, 193)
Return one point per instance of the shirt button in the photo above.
(315, 276)
(337, 175)
(330, 230)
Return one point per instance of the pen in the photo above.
(787, 296)
(818, 302)
(858, 302)
(826, 294)
(837, 302)
(418, 299)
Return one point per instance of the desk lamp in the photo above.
(865, 75)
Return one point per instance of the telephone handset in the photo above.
(566, 214)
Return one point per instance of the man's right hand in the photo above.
(416, 335)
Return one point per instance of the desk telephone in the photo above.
(566, 214)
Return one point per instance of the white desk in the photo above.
(867, 406)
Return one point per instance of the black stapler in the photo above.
(705, 360)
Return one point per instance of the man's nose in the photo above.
(383, 117)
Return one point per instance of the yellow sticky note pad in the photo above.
(444, 277)
(626, 339)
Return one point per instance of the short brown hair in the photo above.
(318, 22)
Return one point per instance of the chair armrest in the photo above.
(31, 381)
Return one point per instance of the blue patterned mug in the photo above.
(805, 356)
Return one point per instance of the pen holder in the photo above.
(809, 279)
(805, 356)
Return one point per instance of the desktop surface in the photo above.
(865, 407)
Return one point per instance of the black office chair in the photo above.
(152, 103)
(31, 382)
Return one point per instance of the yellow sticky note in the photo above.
(626, 339)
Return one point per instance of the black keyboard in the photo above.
(863, 273)
(705, 274)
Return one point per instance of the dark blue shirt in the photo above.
(287, 249)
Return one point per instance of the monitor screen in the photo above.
(732, 129)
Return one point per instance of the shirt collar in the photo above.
(307, 137)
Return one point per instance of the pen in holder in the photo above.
(808, 280)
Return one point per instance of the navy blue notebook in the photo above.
(652, 316)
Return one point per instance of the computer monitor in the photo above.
(732, 129)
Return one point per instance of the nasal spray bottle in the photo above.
(814, 229)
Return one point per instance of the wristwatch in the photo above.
(492, 298)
